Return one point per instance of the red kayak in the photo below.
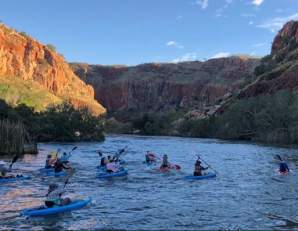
(171, 167)
(283, 173)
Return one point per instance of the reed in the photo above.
(12, 137)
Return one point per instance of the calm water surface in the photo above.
(247, 194)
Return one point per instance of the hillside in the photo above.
(266, 108)
(277, 71)
(36, 75)
(157, 87)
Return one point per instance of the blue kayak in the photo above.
(101, 168)
(12, 179)
(51, 172)
(208, 176)
(114, 174)
(54, 210)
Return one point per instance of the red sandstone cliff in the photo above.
(24, 58)
(279, 70)
(163, 87)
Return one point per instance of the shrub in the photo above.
(51, 47)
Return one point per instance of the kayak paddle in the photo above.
(209, 166)
(15, 158)
(278, 157)
(120, 152)
(74, 148)
(100, 154)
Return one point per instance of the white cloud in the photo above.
(250, 23)
(257, 2)
(259, 45)
(221, 55)
(202, 3)
(174, 44)
(186, 57)
(276, 24)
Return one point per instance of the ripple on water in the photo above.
(245, 191)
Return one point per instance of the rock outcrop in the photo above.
(157, 87)
(277, 71)
(24, 58)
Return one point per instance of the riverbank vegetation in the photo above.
(265, 118)
(12, 137)
(57, 123)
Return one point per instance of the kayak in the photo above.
(150, 166)
(51, 172)
(114, 174)
(172, 167)
(207, 176)
(121, 162)
(43, 211)
(283, 173)
(12, 179)
(101, 168)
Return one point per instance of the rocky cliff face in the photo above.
(277, 71)
(23, 58)
(158, 87)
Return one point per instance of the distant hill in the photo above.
(162, 87)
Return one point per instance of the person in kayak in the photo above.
(60, 165)
(112, 167)
(199, 168)
(51, 159)
(150, 157)
(48, 162)
(3, 174)
(283, 166)
(165, 163)
(65, 157)
(54, 196)
(4, 171)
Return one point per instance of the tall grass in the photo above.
(12, 137)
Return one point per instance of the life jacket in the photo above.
(283, 167)
(111, 167)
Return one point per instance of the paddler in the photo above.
(165, 163)
(283, 166)
(4, 171)
(52, 158)
(112, 167)
(60, 165)
(150, 157)
(54, 196)
(48, 162)
(65, 157)
(199, 168)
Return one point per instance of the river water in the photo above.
(248, 193)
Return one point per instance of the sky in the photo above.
(131, 32)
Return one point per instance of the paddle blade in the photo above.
(15, 158)
(100, 153)
(278, 157)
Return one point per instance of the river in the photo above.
(248, 193)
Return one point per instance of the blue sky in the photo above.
(138, 31)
